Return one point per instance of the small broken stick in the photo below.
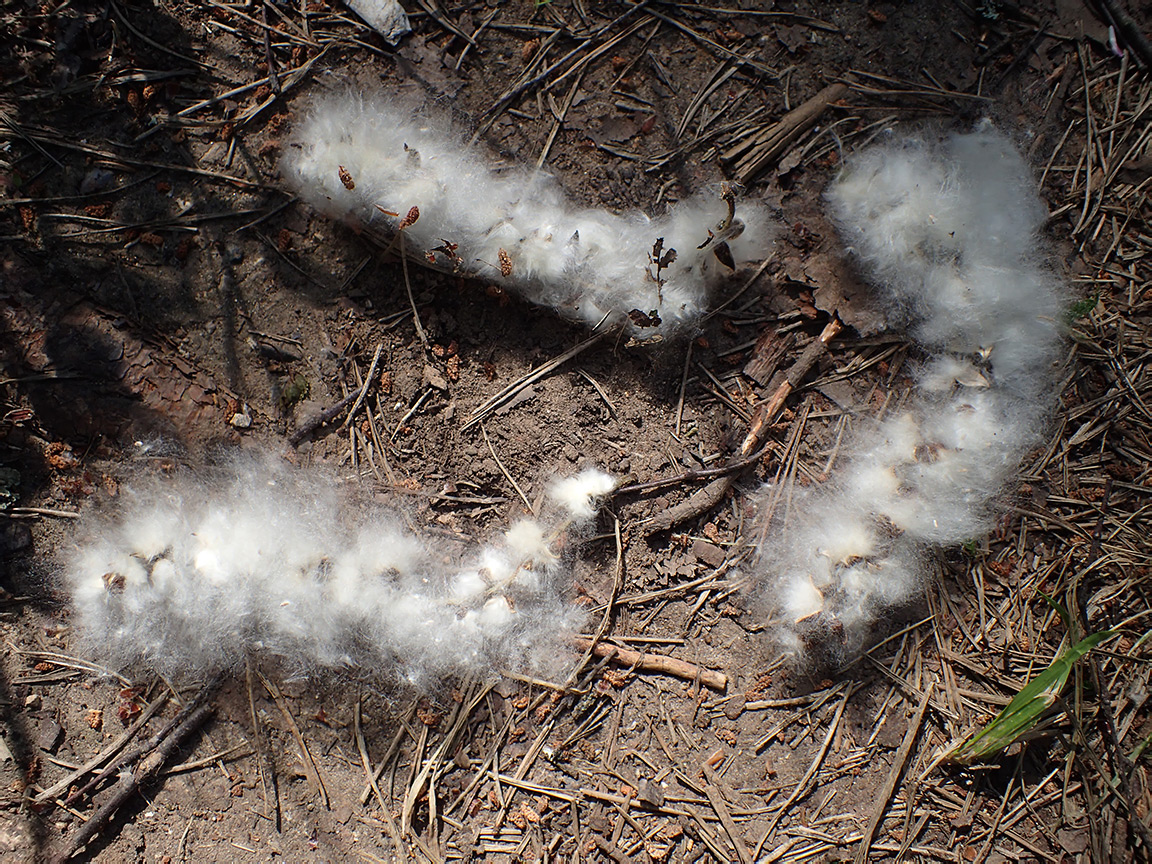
(750, 451)
(324, 417)
(130, 782)
(132, 756)
(658, 663)
(700, 501)
(755, 154)
(766, 412)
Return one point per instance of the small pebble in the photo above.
(96, 180)
(734, 707)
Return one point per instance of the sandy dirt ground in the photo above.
(165, 298)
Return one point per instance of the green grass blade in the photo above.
(1061, 610)
(1140, 748)
(1024, 712)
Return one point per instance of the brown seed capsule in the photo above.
(346, 178)
(114, 582)
(640, 319)
(724, 255)
(505, 263)
(410, 219)
(928, 453)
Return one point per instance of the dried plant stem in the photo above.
(158, 749)
(408, 286)
(771, 142)
(658, 663)
(712, 494)
(368, 379)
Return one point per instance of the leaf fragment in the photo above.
(1021, 717)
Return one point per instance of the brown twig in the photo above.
(131, 782)
(146, 747)
(110, 751)
(658, 663)
(700, 501)
(755, 154)
(323, 418)
(750, 451)
(766, 412)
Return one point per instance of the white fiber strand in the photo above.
(372, 162)
(949, 233)
(197, 572)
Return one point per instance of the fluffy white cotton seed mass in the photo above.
(194, 573)
(948, 231)
(377, 162)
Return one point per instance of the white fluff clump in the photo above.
(194, 573)
(578, 495)
(371, 161)
(948, 230)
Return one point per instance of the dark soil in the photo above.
(159, 285)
